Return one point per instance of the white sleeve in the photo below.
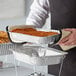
(39, 13)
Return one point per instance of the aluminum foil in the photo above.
(5, 48)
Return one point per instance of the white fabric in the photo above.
(39, 12)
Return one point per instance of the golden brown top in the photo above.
(3, 37)
(34, 32)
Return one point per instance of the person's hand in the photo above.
(70, 39)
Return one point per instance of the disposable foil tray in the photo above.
(37, 55)
(21, 38)
(5, 48)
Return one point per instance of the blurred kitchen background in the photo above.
(13, 12)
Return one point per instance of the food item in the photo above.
(3, 34)
(34, 32)
(4, 40)
(4, 37)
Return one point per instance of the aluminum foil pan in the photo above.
(21, 38)
(37, 55)
(5, 48)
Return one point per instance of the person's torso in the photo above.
(63, 14)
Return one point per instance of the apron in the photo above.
(63, 15)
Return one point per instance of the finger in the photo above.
(63, 40)
(68, 43)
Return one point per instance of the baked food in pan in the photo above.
(4, 37)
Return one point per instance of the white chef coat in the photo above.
(39, 12)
